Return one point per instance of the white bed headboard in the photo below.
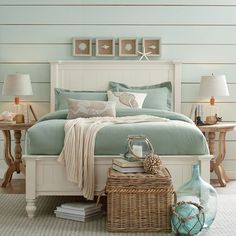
(95, 76)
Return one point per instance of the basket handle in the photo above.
(175, 197)
(168, 171)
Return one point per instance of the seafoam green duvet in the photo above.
(178, 136)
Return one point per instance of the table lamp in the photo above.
(18, 85)
(213, 86)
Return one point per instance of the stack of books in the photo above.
(79, 211)
(125, 166)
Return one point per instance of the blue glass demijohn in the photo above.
(199, 191)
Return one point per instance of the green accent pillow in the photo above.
(62, 96)
(158, 95)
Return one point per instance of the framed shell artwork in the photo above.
(82, 47)
(152, 46)
(105, 47)
(128, 47)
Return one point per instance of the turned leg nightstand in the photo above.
(210, 132)
(14, 163)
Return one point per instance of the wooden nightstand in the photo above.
(210, 132)
(14, 163)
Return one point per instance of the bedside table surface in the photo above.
(221, 126)
(14, 126)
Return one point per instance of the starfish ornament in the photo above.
(105, 46)
(144, 55)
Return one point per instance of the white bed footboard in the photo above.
(45, 176)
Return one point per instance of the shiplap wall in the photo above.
(200, 33)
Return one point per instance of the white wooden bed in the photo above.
(44, 176)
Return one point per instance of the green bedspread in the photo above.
(179, 136)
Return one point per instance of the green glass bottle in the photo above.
(199, 191)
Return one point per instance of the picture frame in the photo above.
(105, 47)
(82, 47)
(128, 47)
(152, 45)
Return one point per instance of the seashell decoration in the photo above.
(7, 116)
(82, 46)
(105, 46)
(153, 47)
(128, 47)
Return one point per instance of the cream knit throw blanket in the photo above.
(78, 152)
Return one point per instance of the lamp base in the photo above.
(212, 101)
(24, 113)
(211, 120)
(19, 118)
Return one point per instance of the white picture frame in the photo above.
(152, 45)
(105, 47)
(82, 47)
(128, 47)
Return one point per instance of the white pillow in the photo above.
(126, 99)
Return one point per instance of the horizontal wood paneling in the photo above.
(200, 53)
(54, 34)
(192, 72)
(41, 92)
(184, 53)
(231, 136)
(230, 151)
(30, 52)
(227, 110)
(119, 2)
(38, 72)
(174, 15)
(190, 93)
(201, 34)
(40, 108)
(229, 166)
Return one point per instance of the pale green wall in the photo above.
(201, 34)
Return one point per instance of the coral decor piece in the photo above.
(152, 164)
(7, 116)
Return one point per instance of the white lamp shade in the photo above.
(213, 86)
(17, 85)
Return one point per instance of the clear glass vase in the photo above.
(139, 147)
(199, 191)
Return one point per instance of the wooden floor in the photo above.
(17, 186)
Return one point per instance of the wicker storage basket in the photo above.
(139, 201)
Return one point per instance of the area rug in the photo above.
(14, 221)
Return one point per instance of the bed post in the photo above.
(177, 86)
(30, 187)
(53, 76)
(204, 162)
